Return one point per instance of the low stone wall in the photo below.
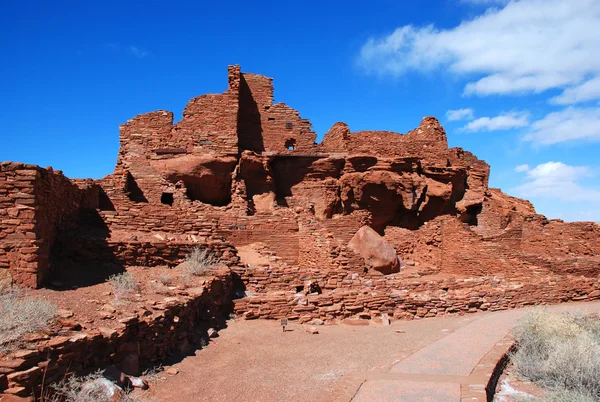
(94, 251)
(173, 326)
(366, 298)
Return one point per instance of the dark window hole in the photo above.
(166, 198)
(290, 144)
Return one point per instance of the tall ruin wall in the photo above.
(35, 206)
(242, 175)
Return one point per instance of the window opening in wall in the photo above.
(166, 198)
(288, 125)
(104, 203)
(290, 144)
(300, 289)
(271, 118)
(134, 192)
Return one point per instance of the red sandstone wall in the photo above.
(18, 248)
(429, 139)
(35, 204)
(170, 327)
(370, 297)
(278, 125)
(299, 208)
(208, 127)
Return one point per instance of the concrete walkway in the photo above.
(436, 359)
(446, 370)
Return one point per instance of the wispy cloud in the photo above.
(522, 168)
(558, 181)
(519, 48)
(137, 51)
(502, 122)
(460, 114)
(589, 90)
(570, 124)
(131, 50)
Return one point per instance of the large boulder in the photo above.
(376, 251)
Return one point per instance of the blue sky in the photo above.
(515, 82)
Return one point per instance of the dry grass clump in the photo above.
(165, 279)
(72, 389)
(91, 388)
(21, 314)
(561, 352)
(199, 262)
(123, 285)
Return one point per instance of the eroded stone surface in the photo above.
(240, 172)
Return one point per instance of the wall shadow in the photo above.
(249, 126)
(82, 257)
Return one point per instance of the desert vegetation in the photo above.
(561, 353)
(200, 261)
(93, 387)
(123, 285)
(21, 314)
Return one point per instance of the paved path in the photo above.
(437, 371)
(435, 359)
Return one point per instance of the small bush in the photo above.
(165, 279)
(21, 314)
(561, 353)
(70, 389)
(153, 373)
(91, 388)
(123, 285)
(200, 262)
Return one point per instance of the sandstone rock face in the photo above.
(239, 171)
(316, 226)
(377, 252)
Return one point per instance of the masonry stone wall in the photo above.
(265, 126)
(242, 176)
(35, 205)
(174, 326)
(242, 171)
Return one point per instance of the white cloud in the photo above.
(527, 46)
(589, 90)
(502, 122)
(566, 125)
(460, 114)
(558, 181)
(522, 168)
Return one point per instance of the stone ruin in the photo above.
(363, 226)
(243, 176)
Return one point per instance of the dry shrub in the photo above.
(21, 314)
(199, 262)
(165, 279)
(71, 389)
(91, 388)
(561, 352)
(123, 285)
